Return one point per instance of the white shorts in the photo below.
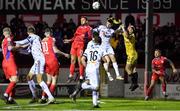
(93, 76)
(38, 66)
(107, 50)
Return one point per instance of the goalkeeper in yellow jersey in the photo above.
(132, 56)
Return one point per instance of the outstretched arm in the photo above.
(25, 41)
(172, 65)
(56, 50)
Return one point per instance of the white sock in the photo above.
(115, 66)
(32, 88)
(46, 89)
(5, 94)
(106, 69)
(94, 98)
(10, 98)
(87, 86)
(42, 97)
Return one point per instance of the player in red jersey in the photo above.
(51, 61)
(158, 72)
(9, 65)
(78, 43)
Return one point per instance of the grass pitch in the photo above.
(86, 104)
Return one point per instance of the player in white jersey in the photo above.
(34, 46)
(91, 59)
(106, 32)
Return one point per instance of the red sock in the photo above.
(11, 94)
(149, 91)
(81, 70)
(52, 88)
(43, 93)
(72, 68)
(10, 87)
(164, 87)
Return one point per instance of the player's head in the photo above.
(48, 32)
(96, 37)
(130, 29)
(109, 22)
(84, 20)
(157, 53)
(6, 32)
(31, 29)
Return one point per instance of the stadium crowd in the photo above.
(166, 38)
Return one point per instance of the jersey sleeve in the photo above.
(25, 41)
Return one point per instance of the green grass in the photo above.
(86, 104)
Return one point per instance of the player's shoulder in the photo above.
(102, 27)
(163, 57)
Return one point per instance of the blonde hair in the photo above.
(7, 30)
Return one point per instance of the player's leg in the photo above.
(133, 61)
(115, 66)
(94, 81)
(53, 83)
(73, 53)
(152, 84)
(106, 63)
(48, 82)
(10, 71)
(40, 70)
(128, 69)
(11, 94)
(163, 82)
(45, 88)
(81, 67)
(32, 87)
(72, 68)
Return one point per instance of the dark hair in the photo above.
(48, 30)
(84, 17)
(31, 29)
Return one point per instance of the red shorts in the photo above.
(52, 67)
(77, 48)
(156, 76)
(9, 68)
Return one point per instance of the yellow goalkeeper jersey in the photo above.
(130, 44)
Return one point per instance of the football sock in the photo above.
(43, 93)
(115, 66)
(52, 88)
(32, 87)
(164, 87)
(72, 68)
(106, 69)
(149, 91)
(10, 87)
(45, 89)
(94, 97)
(81, 71)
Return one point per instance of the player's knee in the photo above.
(14, 79)
(39, 79)
(73, 61)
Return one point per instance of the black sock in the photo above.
(135, 78)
